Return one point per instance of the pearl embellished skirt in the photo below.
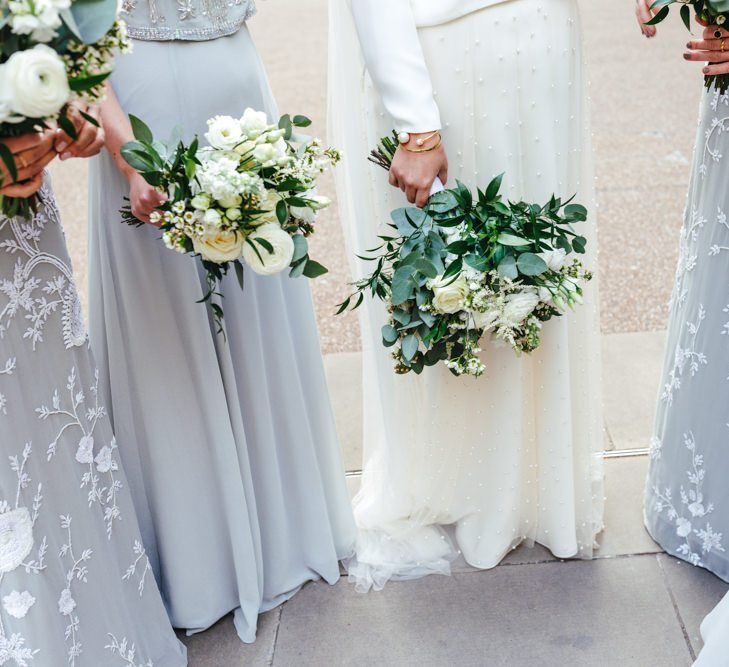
(479, 466)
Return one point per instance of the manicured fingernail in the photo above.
(706, 70)
(61, 146)
(688, 45)
(65, 156)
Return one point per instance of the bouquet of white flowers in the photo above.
(714, 12)
(247, 198)
(464, 267)
(51, 53)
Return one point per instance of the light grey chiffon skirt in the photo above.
(237, 457)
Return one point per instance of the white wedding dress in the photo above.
(715, 633)
(456, 464)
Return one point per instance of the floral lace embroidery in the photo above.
(27, 294)
(126, 652)
(717, 127)
(77, 415)
(9, 369)
(685, 355)
(141, 563)
(687, 256)
(698, 541)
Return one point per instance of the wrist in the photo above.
(418, 140)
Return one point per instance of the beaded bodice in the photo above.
(186, 20)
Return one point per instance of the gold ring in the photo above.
(21, 161)
(722, 45)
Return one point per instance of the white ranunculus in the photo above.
(273, 262)
(17, 604)
(16, 538)
(85, 450)
(554, 259)
(485, 321)
(519, 306)
(253, 123)
(449, 297)
(34, 82)
(224, 132)
(219, 246)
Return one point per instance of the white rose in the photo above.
(554, 259)
(519, 306)
(224, 132)
(273, 262)
(253, 123)
(449, 298)
(34, 82)
(219, 246)
(485, 321)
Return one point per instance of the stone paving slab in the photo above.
(220, 646)
(549, 614)
(695, 592)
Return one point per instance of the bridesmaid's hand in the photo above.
(644, 14)
(89, 137)
(31, 153)
(712, 49)
(415, 173)
(144, 198)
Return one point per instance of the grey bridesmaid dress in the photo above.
(237, 453)
(76, 586)
(687, 495)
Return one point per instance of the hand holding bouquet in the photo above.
(708, 12)
(52, 52)
(247, 198)
(464, 267)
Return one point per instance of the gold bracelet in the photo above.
(435, 146)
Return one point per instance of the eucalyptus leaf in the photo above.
(389, 333)
(512, 240)
(530, 264)
(301, 247)
(507, 267)
(409, 346)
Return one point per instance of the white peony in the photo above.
(253, 123)
(34, 82)
(16, 538)
(224, 132)
(449, 297)
(17, 604)
(554, 259)
(273, 262)
(219, 246)
(66, 603)
(519, 306)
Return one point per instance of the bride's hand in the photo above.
(713, 49)
(415, 173)
(144, 198)
(644, 14)
(31, 153)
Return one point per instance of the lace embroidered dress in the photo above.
(687, 496)
(236, 447)
(76, 586)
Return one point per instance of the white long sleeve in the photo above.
(394, 58)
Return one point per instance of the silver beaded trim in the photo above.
(168, 34)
